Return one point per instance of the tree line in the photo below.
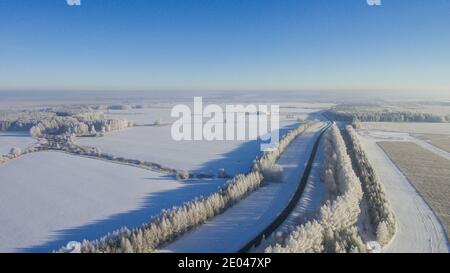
(334, 229)
(381, 216)
(384, 116)
(172, 223)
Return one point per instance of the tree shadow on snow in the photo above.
(239, 160)
(149, 206)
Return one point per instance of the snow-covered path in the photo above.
(418, 229)
(400, 136)
(230, 231)
(430, 147)
(312, 196)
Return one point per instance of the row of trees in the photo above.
(66, 125)
(266, 163)
(385, 116)
(22, 120)
(43, 122)
(381, 216)
(334, 229)
(16, 152)
(178, 220)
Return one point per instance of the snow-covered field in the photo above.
(408, 127)
(14, 139)
(155, 144)
(161, 112)
(402, 136)
(50, 198)
(239, 224)
(440, 141)
(428, 173)
(144, 115)
(418, 229)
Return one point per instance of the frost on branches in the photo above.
(174, 222)
(334, 229)
(381, 216)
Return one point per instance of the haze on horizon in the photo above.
(225, 45)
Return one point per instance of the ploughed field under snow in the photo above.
(14, 139)
(418, 228)
(50, 198)
(440, 141)
(238, 225)
(428, 172)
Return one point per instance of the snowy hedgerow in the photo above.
(182, 174)
(270, 157)
(381, 216)
(173, 222)
(334, 229)
(15, 151)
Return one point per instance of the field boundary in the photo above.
(417, 191)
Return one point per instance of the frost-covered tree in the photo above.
(381, 216)
(178, 220)
(334, 228)
(306, 238)
(15, 151)
(182, 174)
(350, 115)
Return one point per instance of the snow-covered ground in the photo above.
(418, 229)
(408, 127)
(50, 198)
(161, 112)
(144, 115)
(401, 136)
(429, 146)
(312, 196)
(14, 139)
(155, 144)
(231, 230)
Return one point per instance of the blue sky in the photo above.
(225, 45)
